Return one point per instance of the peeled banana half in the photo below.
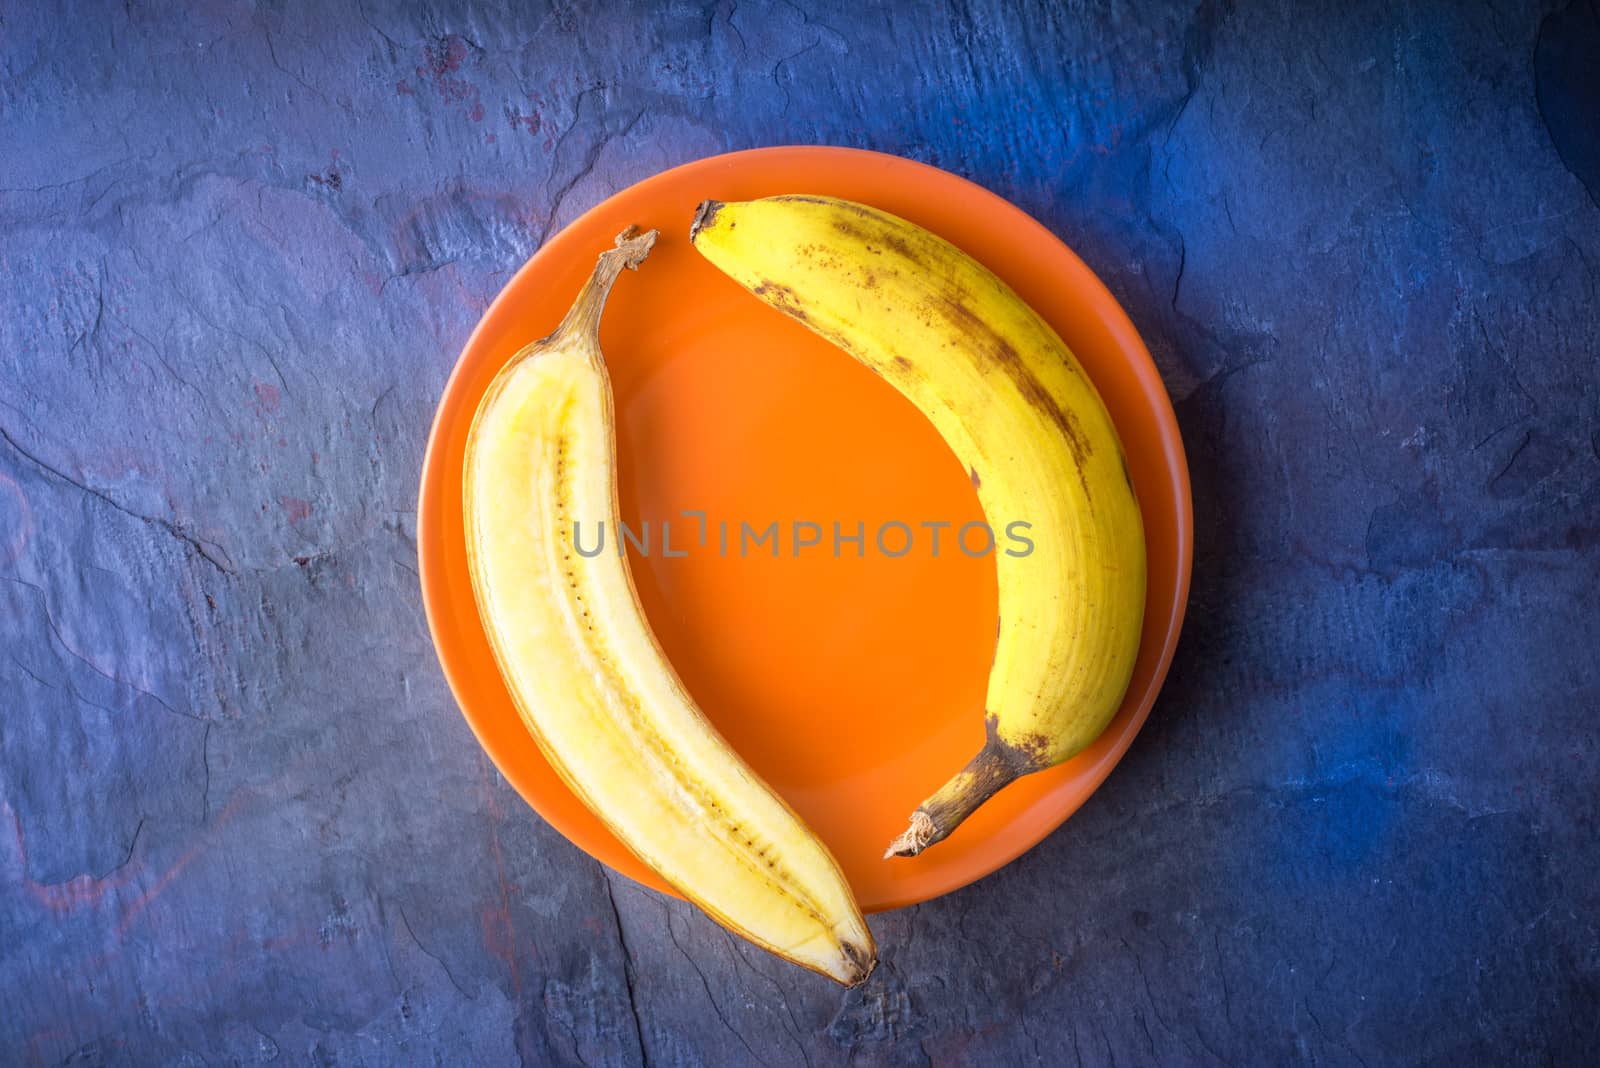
(588, 677)
(1023, 418)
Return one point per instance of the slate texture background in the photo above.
(240, 819)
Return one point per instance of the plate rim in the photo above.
(1118, 324)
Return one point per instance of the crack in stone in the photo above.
(68, 689)
(744, 47)
(205, 761)
(1222, 976)
(127, 859)
(1022, 1020)
(394, 47)
(706, 986)
(133, 844)
(590, 160)
(777, 68)
(172, 528)
(272, 54)
(793, 1028)
(1527, 438)
(86, 339)
(155, 351)
(627, 965)
(406, 923)
(1155, 1010)
(55, 632)
(1183, 262)
(416, 270)
(76, 181)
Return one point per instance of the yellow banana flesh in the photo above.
(1018, 411)
(589, 678)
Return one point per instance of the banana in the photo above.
(1022, 417)
(590, 680)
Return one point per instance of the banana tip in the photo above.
(914, 839)
(635, 246)
(861, 961)
(704, 216)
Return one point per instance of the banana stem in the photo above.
(995, 767)
(583, 318)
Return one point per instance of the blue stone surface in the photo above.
(240, 819)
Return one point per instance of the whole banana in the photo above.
(589, 678)
(1034, 435)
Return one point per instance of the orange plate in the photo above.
(854, 686)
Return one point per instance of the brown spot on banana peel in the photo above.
(784, 299)
(977, 483)
(843, 205)
(813, 198)
(1005, 356)
(998, 764)
(870, 240)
